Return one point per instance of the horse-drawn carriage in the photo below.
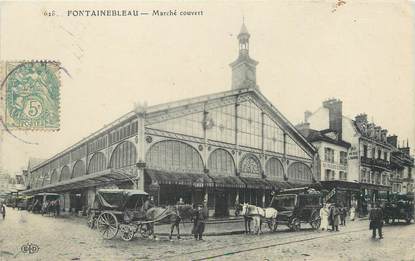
(43, 203)
(122, 210)
(296, 206)
(399, 206)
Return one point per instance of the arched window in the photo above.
(97, 163)
(124, 155)
(300, 172)
(250, 165)
(274, 168)
(65, 173)
(78, 169)
(54, 178)
(221, 163)
(174, 156)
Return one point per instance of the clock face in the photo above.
(250, 75)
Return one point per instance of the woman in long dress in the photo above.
(352, 213)
(324, 215)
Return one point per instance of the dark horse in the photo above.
(171, 215)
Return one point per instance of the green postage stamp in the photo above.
(30, 95)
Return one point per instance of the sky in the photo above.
(361, 52)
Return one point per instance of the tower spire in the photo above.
(244, 68)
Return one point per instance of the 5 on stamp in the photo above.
(31, 93)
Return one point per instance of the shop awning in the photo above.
(227, 182)
(108, 176)
(161, 177)
(256, 183)
(277, 185)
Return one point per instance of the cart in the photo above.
(399, 206)
(120, 211)
(297, 206)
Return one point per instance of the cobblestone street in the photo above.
(73, 240)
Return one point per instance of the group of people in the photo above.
(333, 215)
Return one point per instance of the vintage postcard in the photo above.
(183, 130)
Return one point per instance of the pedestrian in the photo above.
(343, 214)
(334, 216)
(149, 203)
(324, 215)
(200, 217)
(352, 213)
(57, 207)
(3, 210)
(376, 220)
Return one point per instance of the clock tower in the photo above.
(244, 68)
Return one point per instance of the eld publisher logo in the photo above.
(30, 248)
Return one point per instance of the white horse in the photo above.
(258, 214)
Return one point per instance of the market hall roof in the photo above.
(165, 108)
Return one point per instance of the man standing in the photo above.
(3, 210)
(200, 217)
(376, 221)
(334, 216)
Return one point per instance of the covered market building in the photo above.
(221, 149)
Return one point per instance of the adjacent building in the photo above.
(223, 148)
(368, 159)
(402, 165)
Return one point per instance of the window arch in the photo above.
(274, 168)
(54, 178)
(300, 172)
(97, 163)
(220, 162)
(78, 169)
(174, 156)
(250, 164)
(125, 154)
(65, 173)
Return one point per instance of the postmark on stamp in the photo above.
(31, 95)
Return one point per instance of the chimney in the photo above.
(303, 128)
(405, 150)
(377, 132)
(371, 130)
(393, 140)
(335, 115)
(361, 118)
(384, 133)
(307, 115)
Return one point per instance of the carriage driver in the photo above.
(149, 203)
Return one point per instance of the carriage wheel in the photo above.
(91, 221)
(107, 225)
(295, 224)
(127, 232)
(315, 221)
